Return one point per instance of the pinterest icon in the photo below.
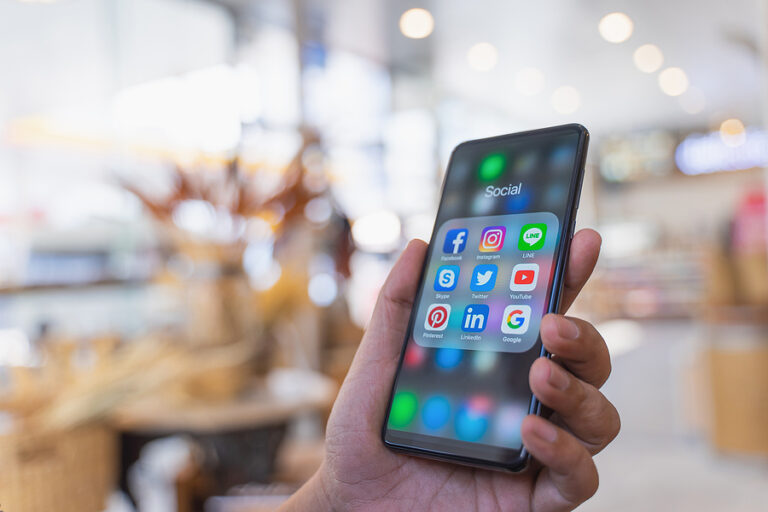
(437, 317)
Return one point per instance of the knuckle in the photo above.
(582, 394)
(587, 479)
(604, 422)
(592, 485)
(608, 366)
(614, 422)
(598, 417)
(590, 480)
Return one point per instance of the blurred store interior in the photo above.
(200, 199)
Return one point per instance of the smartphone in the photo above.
(494, 268)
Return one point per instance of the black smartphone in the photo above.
(493, 269)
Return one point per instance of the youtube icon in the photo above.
(524, 277)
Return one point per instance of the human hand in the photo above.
(359, 473)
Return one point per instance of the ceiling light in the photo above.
(673, 81)
(648, 58)
(529, 81)
(693, 101)
(616, 27)
(483, 57)
(732, 132)
(417, 23)
(566, 100)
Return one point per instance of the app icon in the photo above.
(436, 412)
(483, 278)
(455, 241)
(437, 317)
(475, 318)
(415, 354)
(492, 166)
(484, 361)
(447, 358)
(473, 418)
(446, 278)
(492, 239)
(404, 405)
(515, 319)
(532, 237)
(508, 421)
(524, 277)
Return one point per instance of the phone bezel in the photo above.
(522, 458)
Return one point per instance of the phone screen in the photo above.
(492, 265)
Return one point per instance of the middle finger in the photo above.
(578, 346)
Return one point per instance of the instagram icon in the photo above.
(492, 239)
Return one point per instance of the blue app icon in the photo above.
(448, 358)
(483, 278)
(473, 418)
(455, 241)
(447, 277)
(475, 318)
(436, 412)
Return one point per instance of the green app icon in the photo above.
(404, 406)
(532, 237)
(492, 166)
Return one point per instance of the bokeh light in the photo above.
(566, 100)
(673, 81)
(322, 289)
(732, 132)
(616, 27)
(648, 58)
(483, 57)
(693, 101)
(417, 23)
(377, 232)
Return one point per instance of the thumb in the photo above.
(367, 385)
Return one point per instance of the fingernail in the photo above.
(545, 431)
(557, 377)
(567, 329)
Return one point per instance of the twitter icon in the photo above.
(483, 278)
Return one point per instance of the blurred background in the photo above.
(200, 199)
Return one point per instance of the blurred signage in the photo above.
(707, 153)
(637, 156)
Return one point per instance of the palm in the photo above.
(371, 477)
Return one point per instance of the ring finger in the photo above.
(582, 407)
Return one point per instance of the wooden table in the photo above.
(242, 435)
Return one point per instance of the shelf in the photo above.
(31, 288)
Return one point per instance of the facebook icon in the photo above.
(455, 241)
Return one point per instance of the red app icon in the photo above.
(437, 317)
(524, 277)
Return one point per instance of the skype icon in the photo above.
(447, 277)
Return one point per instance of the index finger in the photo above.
(585, 249)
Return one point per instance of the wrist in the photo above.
(310, 496)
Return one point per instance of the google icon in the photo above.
(515, 319)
